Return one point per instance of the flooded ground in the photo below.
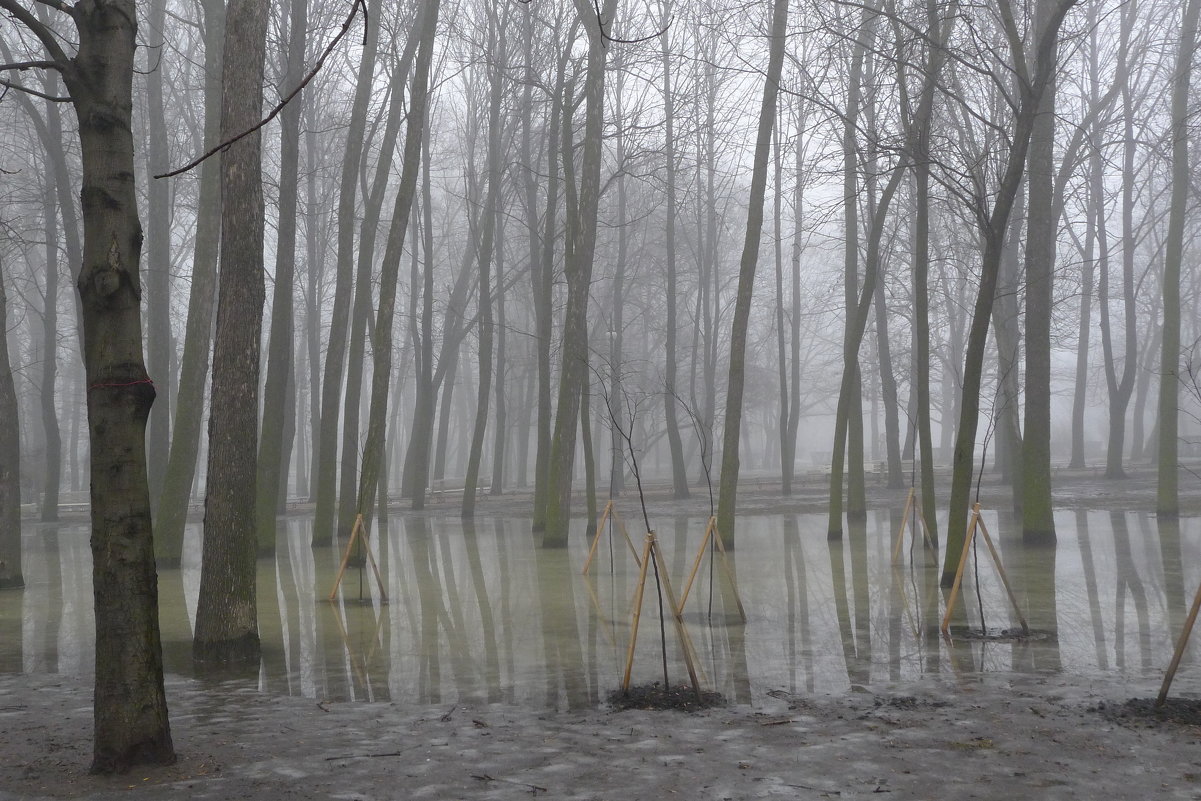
(483, 674)
(482, 615)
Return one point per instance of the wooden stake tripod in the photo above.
(711, 533)
(910, 506)
(609, 512)
(650, 550)
(977, 524)
(358, 532)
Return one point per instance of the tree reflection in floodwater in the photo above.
(481, 614)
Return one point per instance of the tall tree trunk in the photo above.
(581, 246)
(1038, 522)
(728, 491)
(52, 438)
(416, 473)
(158, 251)
(993, 221)
(1167, 503)
(361, 312)
(326, 455)
(543, 279)
(172, 509)
(373, 452)
(130, 708)
(1120, 387)
(226, 616)
(10, 461)
(850, 398)
(487, 245)
(679, 471)
(279, 401)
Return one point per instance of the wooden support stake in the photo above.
(996, 558)
(911, 506)
(638, 591)
(600, 529)
(609, 514)
(1180, 646)
(711, 531)
(681, 631)
(357, 532)
(900, 538)
(977, 523)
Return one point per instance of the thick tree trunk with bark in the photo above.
(226, 617)
(130, 722)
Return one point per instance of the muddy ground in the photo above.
(995, 738)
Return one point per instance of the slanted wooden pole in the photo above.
(1180, 646)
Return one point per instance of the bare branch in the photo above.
(30, 65)
(20, 88)
(40, 30)
(354, 10)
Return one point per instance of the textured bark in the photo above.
(130, 709)
(171, 511)
(10, 462)
(226, 613)
(728, 489)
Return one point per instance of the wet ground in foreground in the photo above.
(997, 737)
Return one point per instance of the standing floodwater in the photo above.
(483, 614)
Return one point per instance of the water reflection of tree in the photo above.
(1173, 574)
(1090, 586)
(564, 656)
(1128, 579)
(487, 623)
(796, 586)
(856, 639)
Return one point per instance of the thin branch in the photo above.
(354, 9)
(30, 65)
(40, 30)
(601, 27)
(20, 88)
